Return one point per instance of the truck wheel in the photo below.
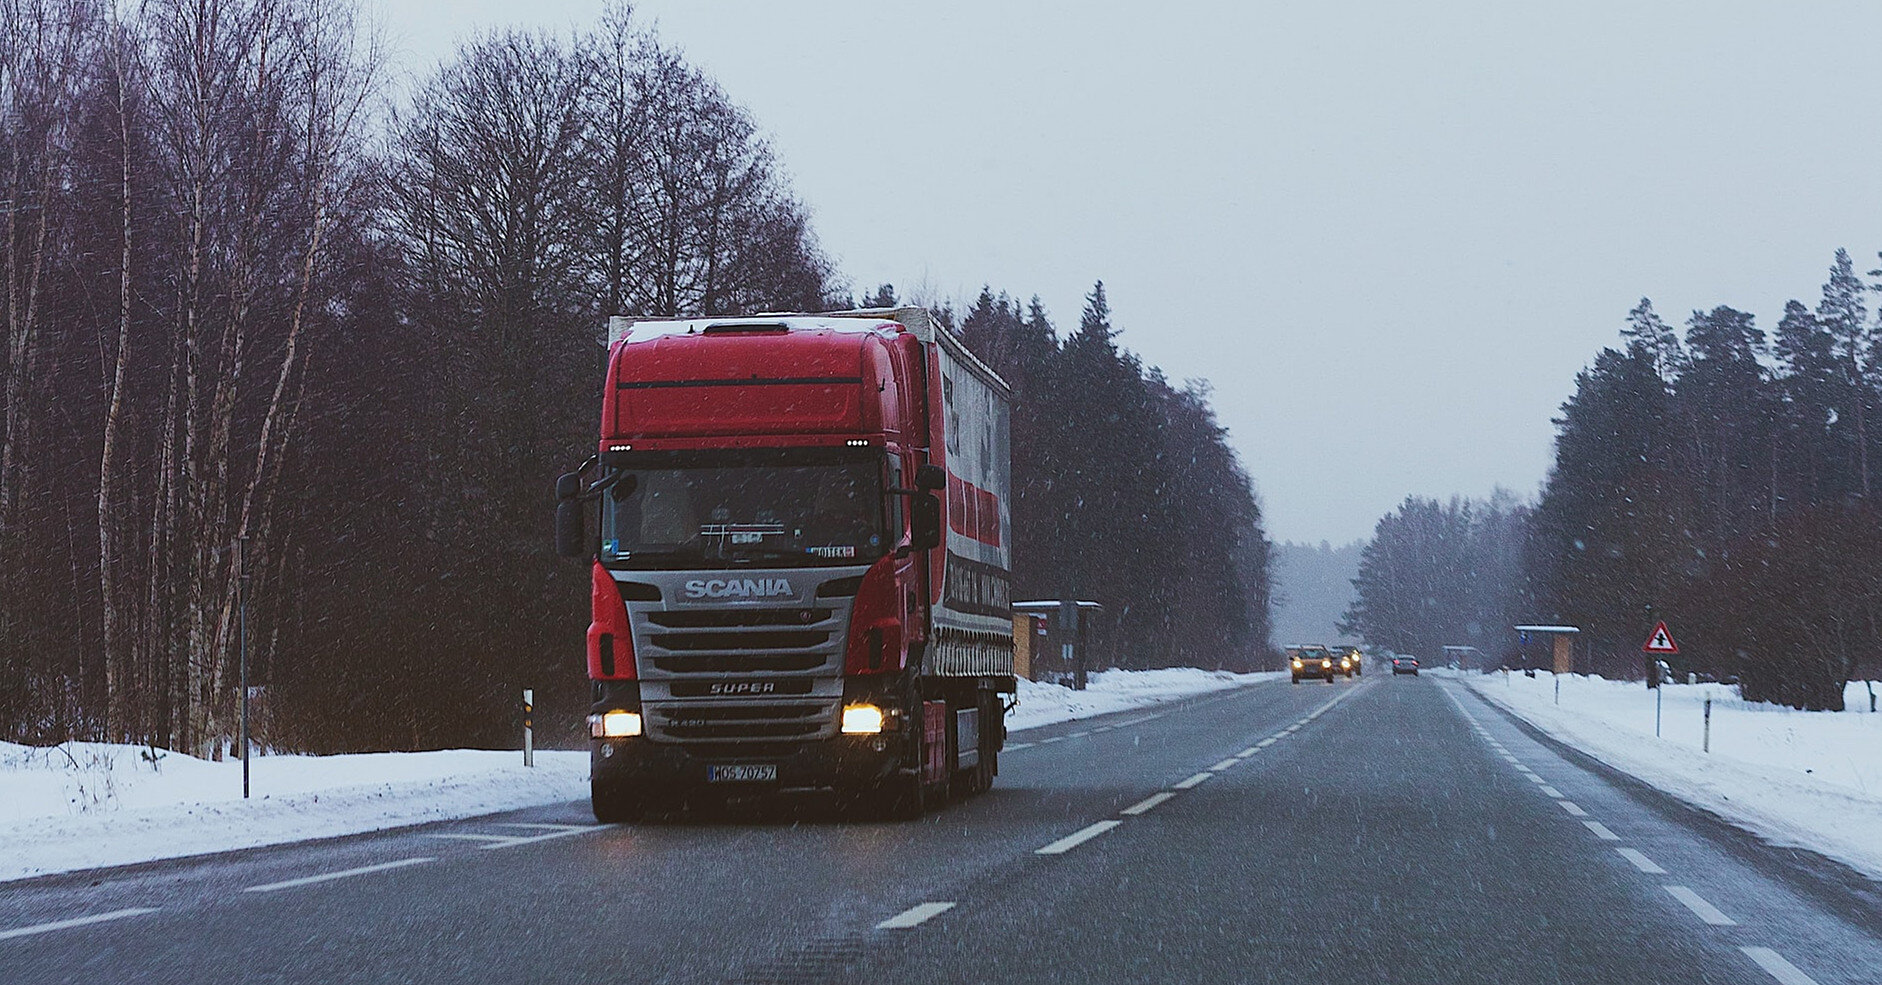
(614, 803)
(899, 798)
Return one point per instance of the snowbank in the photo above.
(1117, 690)
(89, 805)
(1811, 779)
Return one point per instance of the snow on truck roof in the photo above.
(917, 321)
(641, 330)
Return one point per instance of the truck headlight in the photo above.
(615, 724)
(862, 720)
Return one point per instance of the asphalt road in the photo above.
(1388, 830)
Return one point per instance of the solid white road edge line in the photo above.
(342, 874)
(914, 915)
(1780, 969)
(1077, 838)
(1641, 861)
(1700, 908)
(1145, 805)
(1204, 777)
(1601, 831)
(41, 928)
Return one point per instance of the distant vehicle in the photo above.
(1311, 660)
(1405, 665)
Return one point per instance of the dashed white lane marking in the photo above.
(1538, 781)
(1641, 862)
(1245, 753)
(1551, 791)
(1016, 746)
(1077, 838)
(1700, 908)
(1225, 764)
(914, 915)
(1780, 969)
(1573, 809)
(511, 841)
(43, 928)
(1265, 743)
(1056, 738)
(1145, 805)
(1078, 735)
(1200, 778)
(342, 874)
(1601, 831)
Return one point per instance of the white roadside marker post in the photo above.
(1707, 741)
(1658, 693)
(529, 751)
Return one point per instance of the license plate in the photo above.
(743, 773)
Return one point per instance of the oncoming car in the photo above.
(1405, 665)
(1350, 661)
(1312, 660)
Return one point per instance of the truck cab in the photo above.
(776, 602)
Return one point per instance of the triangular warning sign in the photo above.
(1661, 641)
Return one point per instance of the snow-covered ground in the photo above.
(87, 805)
(1117, 690)
(1812, 779)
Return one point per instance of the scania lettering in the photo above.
(799, 534)
(718, 588)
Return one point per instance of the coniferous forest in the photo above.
(1720, 478)
(275, 333)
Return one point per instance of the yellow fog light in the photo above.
(614, 724)
(862, 720)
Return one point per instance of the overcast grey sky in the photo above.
(1388, 233)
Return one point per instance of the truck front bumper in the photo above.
(847, 762)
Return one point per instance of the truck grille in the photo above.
(706, 643)
(746, 721)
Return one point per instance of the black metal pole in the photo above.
(241, 595)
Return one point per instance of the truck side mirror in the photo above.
(924, 521)
(571, 534)
(931, 477)
(571, 537)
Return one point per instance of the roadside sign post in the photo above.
(241, 593)
(1659, 694)
(529, 707)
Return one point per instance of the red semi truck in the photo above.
(801, 573)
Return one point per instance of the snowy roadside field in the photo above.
(1107, 691)
(1809, 779)
(88, 805)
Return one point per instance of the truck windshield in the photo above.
(797, 507)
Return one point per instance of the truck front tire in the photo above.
(614, 803)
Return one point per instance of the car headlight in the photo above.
(1326, 663)
(862, 720)
(1296, 665)
(615, 724)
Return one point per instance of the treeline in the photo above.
(1127, 492)
(1723, 481)
(258, 334)
(1442, 574)
(1718, 478)
(269, 338)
